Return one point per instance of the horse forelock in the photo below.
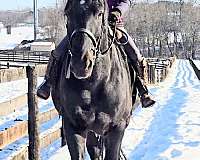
(86, 5)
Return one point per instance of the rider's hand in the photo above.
(114, 17)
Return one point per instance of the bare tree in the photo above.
(165, 28)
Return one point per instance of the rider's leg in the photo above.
(142, 88)
(136, 60)
(44, 89)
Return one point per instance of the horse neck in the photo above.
(110, 62)
(104, 39)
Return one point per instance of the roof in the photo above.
(42, 43)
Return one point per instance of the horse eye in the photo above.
(100, 14)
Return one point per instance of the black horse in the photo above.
(97, 98)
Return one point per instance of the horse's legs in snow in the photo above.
(75, 141)
(93, 146)
(113, 143)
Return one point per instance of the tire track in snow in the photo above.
(179, 74)
(153, 144)
(164, 127)
(185, 76)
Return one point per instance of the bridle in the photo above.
(95, 41)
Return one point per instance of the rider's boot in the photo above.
(43, 90)
(50, 76)
(145, 99)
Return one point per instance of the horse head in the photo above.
(85, 22)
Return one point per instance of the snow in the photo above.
(10, 41)
(171, 129)
(42, 46)
(42, 43)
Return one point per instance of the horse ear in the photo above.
(68, 6)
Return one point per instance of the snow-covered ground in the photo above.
(171, 129)
(168, 131)
(10, 41)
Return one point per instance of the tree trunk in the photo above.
(193, 46)
(160, 48)
(175, 43)
(148, 46)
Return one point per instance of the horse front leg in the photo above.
(94, 146)
(76, 142)
(113, 143)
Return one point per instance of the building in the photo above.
(1, 26)
(42, 46)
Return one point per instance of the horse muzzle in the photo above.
(83, 68)
(81, 74)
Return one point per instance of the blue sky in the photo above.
(20, 4)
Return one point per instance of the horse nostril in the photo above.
(88, 64)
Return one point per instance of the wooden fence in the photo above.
(24, 56)
(156, 70)
(22, 128)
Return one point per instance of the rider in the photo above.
(117, 9)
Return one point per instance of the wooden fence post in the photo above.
(33, 114)
(8, 65)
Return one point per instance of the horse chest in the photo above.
(95, 105)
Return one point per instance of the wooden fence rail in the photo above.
(13, 105)
(20, 128)
(8, 75)
(24, 56)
